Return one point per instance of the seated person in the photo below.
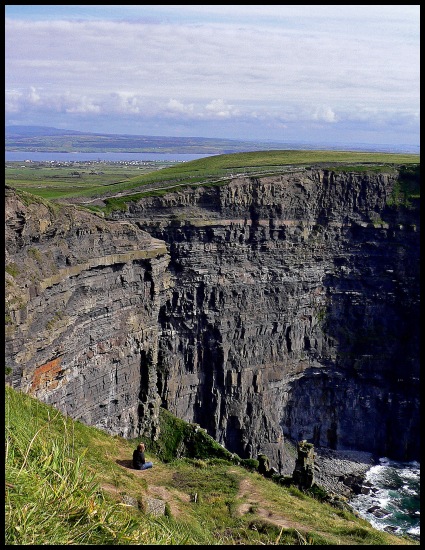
(139, 462)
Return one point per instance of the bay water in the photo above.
(394, 501)
(37, 156)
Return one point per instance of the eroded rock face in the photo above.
(280, 307)
(294, 312)
(82, 301)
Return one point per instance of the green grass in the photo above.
(55, 181)
(407, 187)
(210, 170)
(66, 482)
(53, 484)
(226, 166)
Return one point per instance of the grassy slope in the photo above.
(219, 167)
(66, 483)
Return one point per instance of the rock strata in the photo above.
(82, 300)
(266, 310)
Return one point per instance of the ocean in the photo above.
(394, 502)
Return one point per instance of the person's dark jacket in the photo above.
(138, 459)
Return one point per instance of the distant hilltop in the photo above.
(31, 131)
(49, 139)
(46, 139)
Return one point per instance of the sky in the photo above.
(306, 73)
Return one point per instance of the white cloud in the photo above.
(175, 106)
(204, 61)
(33, 96)
(219, 108)
(82, 105)
(325, 114)
(275, 65)
(122, 102)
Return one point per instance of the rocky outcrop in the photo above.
(303, 474)
(273, 308)
(294, 305)
(342, 472)
(82, 301)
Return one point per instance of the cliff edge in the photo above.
(277, 308)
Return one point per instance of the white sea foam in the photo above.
(384, 500)
(408, 490)
(409, 474)
(394, 500)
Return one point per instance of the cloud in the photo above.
(177, 107)
(39, 99)
(324, 114)
(33, 96)
(218, 108)
(122, 102)
(270, 65)
(17, 100)
(81, 105)
(203, 61)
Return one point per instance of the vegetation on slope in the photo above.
(407, 189)
(68, 483)
(213, 170)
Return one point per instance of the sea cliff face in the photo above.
(82, 301)
(272, 308)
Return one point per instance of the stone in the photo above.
(263, 465)
(378, 512)
(129, 501)
(303, 474)
(273, 310)
(155, 506)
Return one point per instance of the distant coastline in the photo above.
(52, 156)
(39, 139)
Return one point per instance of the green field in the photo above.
(54, 180)
(59, 183)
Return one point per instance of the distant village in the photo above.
(93, 165)
(75, 163)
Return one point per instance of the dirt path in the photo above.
(253, 501)
(163, 185)
(173, 497)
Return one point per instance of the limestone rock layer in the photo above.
(272, 308)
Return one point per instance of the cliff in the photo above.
(82, 302)
(272, 308)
